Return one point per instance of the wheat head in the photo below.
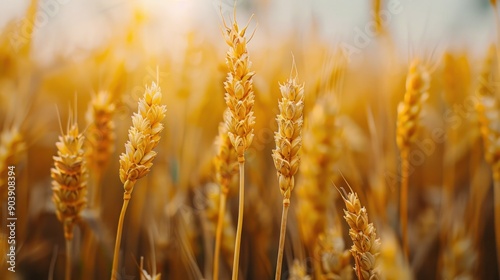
(239, 95)
(144, 136)
(288, 139)
(12, 145)
(320, 154)
(366, 247)
(101, 131)
(69, 179)
(460, 256)
(335, 260)
(226, 159)
(408, 113)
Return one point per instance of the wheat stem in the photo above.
(68, 260)
(114, 271)
(218, 234)
(404, 201)
(284, 216)
(496, 215)
(240, 221)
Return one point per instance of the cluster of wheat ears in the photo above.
(410, 152)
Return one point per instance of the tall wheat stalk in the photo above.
(226, 168)
(239, 99)
(288, 141)
(488, 110)
(136, 162)
(408, 119)
(69, 183)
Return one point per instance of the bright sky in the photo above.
(78, 24)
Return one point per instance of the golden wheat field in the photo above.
(266, 139)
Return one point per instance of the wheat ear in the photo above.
(101, 138)
(335, 260)
(239, 98)
(69, 183)
(226, 168)
(488, 110)
(288, 141)
(366, 247)
(12, 145)
(408, 118)
(136, 162)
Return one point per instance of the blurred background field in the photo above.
(55, 55)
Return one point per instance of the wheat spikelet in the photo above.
(69, 179)
(12, 145)
(298, 271)
(321, 150)
(335, 260)
(144, 136)
(366, 247)
(100, 132)
(239, 95)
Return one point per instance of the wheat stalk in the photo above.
(488, 110)
(221, 221)
(366, 247)
(136, 162)
(288, 141)
(239, 99)
(320, 154)
(408, 119)
(226, 168)
(69, 183)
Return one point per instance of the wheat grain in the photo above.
(366, 247)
